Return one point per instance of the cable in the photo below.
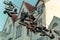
(16, 6)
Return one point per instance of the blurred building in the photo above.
(2, 35)
(21, 32)
(16, 31)
(54, 26)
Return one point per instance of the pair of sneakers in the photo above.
(10, 5)
(51, 36)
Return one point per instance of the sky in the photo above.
(52, 9)
(17, 3)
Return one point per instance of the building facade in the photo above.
(8, 29)
(21, 32)
(2, 35)
(40, 5)
(54, 26)
(16, 31)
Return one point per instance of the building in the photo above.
(41, 10)
(45, 18)
(2, 35)
(20, 31)
(16, 31)
(9, 27)
(54, 26)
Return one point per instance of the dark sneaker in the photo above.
(9, 9)
(42, 34)
(22, 23)
(5, 12)
(44, 28)
(57, 32)
(52, 36)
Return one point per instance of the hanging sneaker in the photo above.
(44, 28)
(10, 5)
(22, 23)
(10, 8)
(52, 36)
(42, 34)
(5, 12)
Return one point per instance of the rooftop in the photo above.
(29, 6)
(14, 17)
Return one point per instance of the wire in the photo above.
(16, 6)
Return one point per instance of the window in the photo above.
(41, 38)
(55, 24)
(57, 32)
(10, 28)
(40, 22)
(10, 39)
(41, 8)
(5, 30)
(27, 32)
(18, 31)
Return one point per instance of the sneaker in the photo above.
(5, 12)
(42, 34)
(52, 36)
(22, 23)
(9, 9)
